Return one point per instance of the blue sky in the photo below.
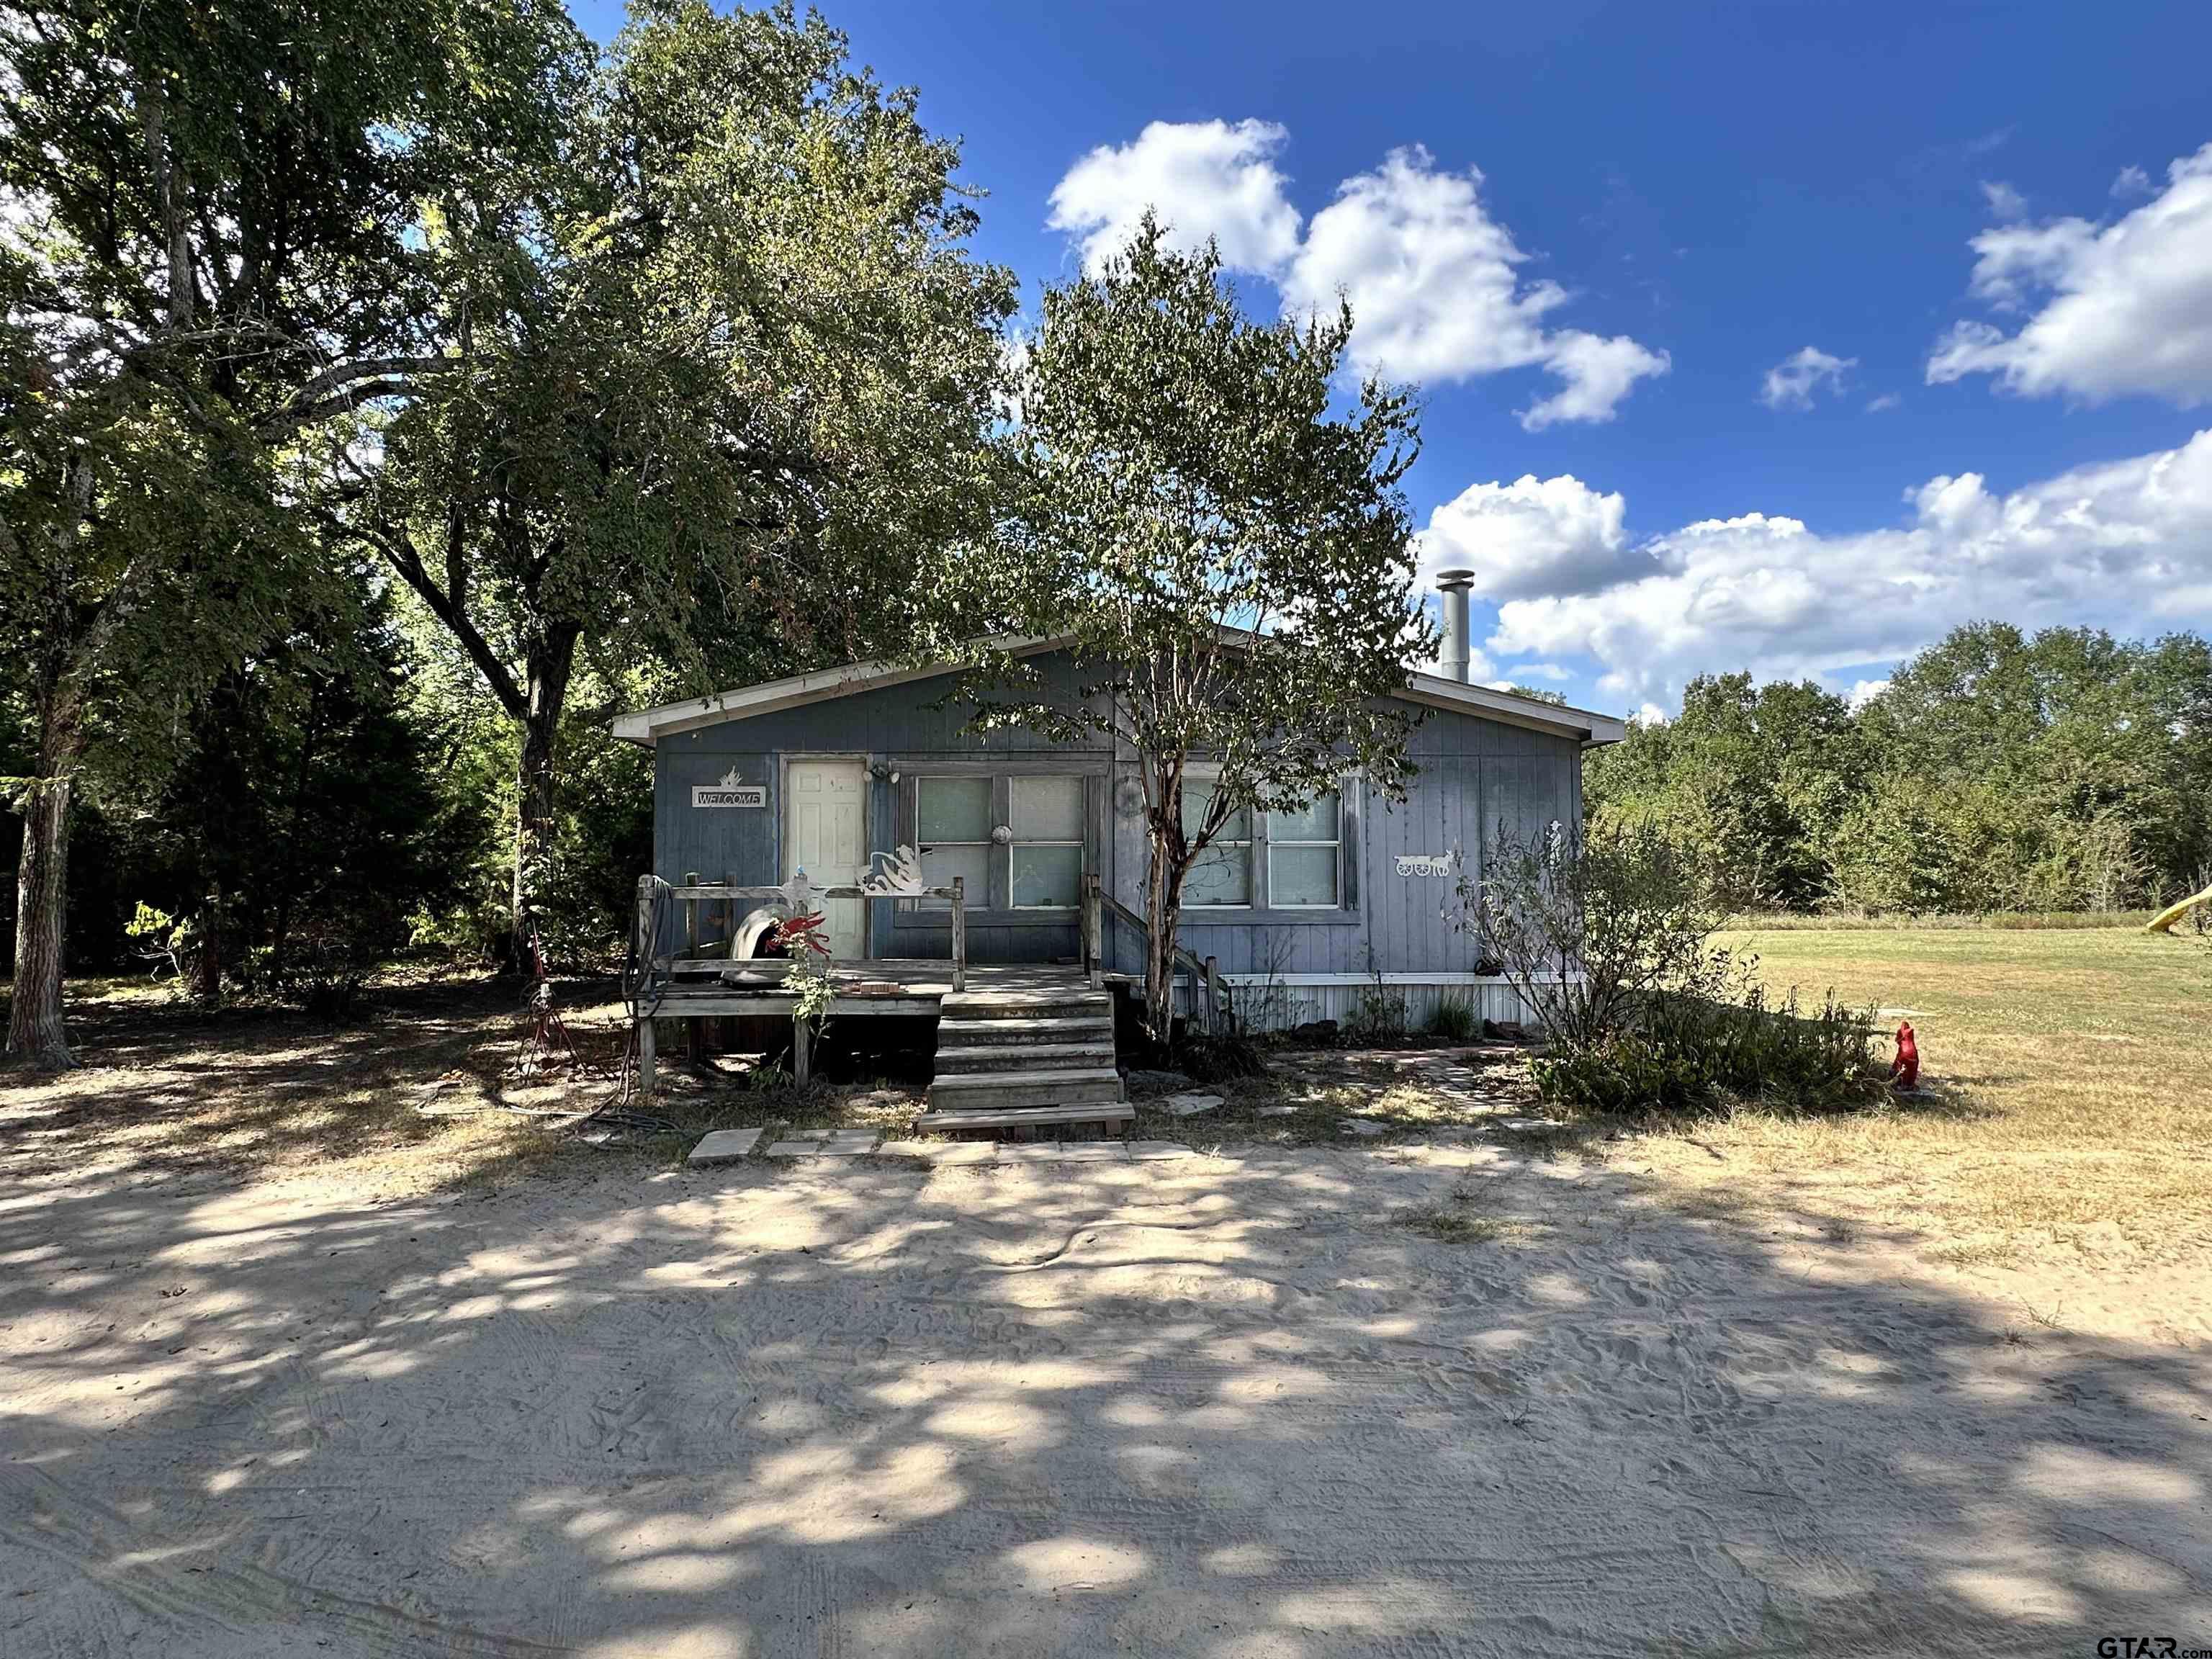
(1672, 204)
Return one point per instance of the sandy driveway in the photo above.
(1200, 1407)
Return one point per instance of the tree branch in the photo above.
(346, 386)
(399, 553)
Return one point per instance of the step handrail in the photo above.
(1211, 997)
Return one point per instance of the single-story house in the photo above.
(831, 771)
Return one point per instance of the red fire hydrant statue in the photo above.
(1905, 1069)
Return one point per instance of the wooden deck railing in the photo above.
(1210, 999)
(654, 939)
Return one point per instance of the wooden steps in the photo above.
(1022, 1057)
(1028, 1058)
(1030, 1117)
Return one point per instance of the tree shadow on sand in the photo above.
(1201, 1406)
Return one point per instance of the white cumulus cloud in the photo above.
(1797, 379)
(1436, 293)
(2125, 545)
(1203, 179)
(2118, 308)
(1435, 283)
(1532, 536)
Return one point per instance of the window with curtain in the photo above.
(1044, 863)
(953, 833)
(1305, 855)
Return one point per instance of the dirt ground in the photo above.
(298, 1354)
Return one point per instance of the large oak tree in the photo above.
(210, 241)
(722, 382)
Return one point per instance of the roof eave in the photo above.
(648, 726)
(1558, 720)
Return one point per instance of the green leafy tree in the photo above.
(302, 824)
(1225, 548)
(2073, 766)
(138, 560)
(1750, 780)
(721, 379)
(1996, 771)
(210, 248)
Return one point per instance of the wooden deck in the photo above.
(701, 987)
(708, 988)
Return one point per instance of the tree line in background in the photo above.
(1996, 771)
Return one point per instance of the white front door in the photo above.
(825, 834)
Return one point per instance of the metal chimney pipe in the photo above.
(1458, 649)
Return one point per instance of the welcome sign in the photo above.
(730, 792)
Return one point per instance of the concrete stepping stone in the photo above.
(725, 1147)
(1191, 1105)
(835, 1143)
(1072, 1151)
(1359, 1126)
(942, 1152)
(1150, 1150)
(1278, 1111)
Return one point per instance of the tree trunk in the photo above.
(34, 1018)
(1162, 917)
(547, 665)
(207, 950)
(34, 1015)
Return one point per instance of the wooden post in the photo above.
(643, 923)
(647, 946)
(1094, 932)
(1213, 995)
(694, 1038)
(801, 1058)
(959, 933)
(725, 1028)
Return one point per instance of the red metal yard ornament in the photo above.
(803, 930)
(1905, 1069)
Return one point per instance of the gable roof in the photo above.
(648, 726)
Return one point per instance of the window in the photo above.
(1305, 851)
(1223, 875)
(953, 833)
(1282, 861)
(1044, 865)
(1016, 839)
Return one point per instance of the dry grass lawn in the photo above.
(2068, 1097)
(421, 1091)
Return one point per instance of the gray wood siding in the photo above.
(1473, 775)
(894, 726)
